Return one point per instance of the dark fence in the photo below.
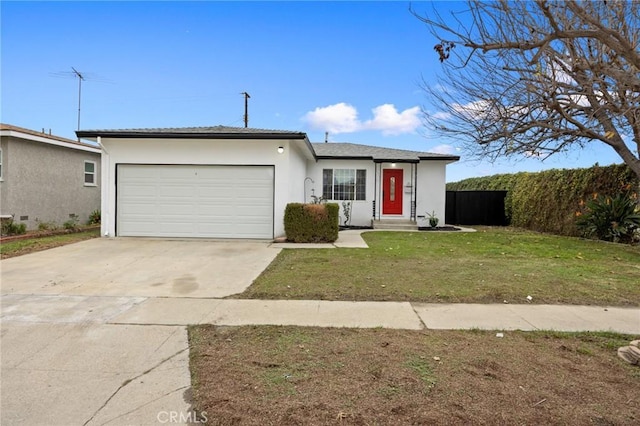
(476, 208)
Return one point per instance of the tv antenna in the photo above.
(74, 73)
(246, 108)
(80, 80)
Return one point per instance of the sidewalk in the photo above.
(398, 315)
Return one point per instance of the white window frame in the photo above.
(93, 174)
(357, 183)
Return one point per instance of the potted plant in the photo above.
(433, 219)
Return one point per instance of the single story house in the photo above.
(46, 178)
(231, 182)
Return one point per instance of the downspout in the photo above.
(102, 146)
(104, 190)
(415, 191)
(375, 188)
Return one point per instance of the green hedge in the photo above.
(547, 201)
(311, 223)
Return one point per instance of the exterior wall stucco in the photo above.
(298, 169)
(289, 168)
(4, 187)
(431, 191)
(46, 182)
(430, 188)
(361, 211)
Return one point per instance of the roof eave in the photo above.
(443, 158)
(343, 157)
(183, 135)
(309, 147)
(56, 141)
(396, 160)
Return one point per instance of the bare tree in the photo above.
(537, 77)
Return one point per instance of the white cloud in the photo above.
(473, 109)
(387, 119)
(343, 118)
(338, 118)
(440, 115)
(444, 149)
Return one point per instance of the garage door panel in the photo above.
(185, 191)
(195, 201)
(138, 190)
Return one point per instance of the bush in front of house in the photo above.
(94, 218)
(9, 227)
(311, 223)
(72, 223)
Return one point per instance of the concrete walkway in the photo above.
(160, 311)
(346, 239)
(351, 238)
(398, 315)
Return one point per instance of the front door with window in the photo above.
(392, 191)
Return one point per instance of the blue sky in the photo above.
(352, 68)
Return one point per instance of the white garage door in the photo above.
(195, 201)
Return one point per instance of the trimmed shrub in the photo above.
(311, 223)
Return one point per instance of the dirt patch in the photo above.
(32, 243)
(293, 375)
(42, 234)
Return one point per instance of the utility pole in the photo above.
(246, 108)
(80, 79)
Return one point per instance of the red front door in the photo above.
(392, 191)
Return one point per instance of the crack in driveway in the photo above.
(147, 403)
(128, 381)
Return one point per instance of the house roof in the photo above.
(378, 154)
(214, 132)
(33, 135)
(331, 150)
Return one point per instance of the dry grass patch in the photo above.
(39, 243)
(266, 375)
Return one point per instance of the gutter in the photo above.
(174, 135)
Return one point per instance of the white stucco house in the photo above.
(230, 182)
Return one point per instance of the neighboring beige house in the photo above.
(231, 182)
(47, 178)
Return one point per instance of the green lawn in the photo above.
(490, 266)
(39, 243)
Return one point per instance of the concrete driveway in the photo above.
(139, 267)
(63, 360)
